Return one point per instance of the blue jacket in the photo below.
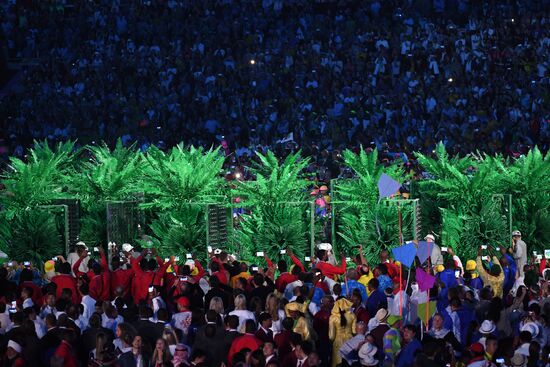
(354, 284)
(509, 274)
(406, 357)
(384, 283)
(376, 301)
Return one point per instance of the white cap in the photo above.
(430, 237)
(516, 233)
(81, 243)
(190, 263)
(126, 247)
(324, 246)
(15, 346)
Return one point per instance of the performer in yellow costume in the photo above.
(341, 327)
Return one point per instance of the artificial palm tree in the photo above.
(362, 218)
(27, 231)
(178, 185)
(276, 206)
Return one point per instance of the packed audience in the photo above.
(138, 310)
(325, 75)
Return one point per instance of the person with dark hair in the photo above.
(410, 347)
(143, 275)
(264, 332)
(494, 277)
(329, 270)
(65, 280)
(341, 327)
(120, 277)
(99, 276)
(284, 277)
(269, 352)
(248, 340)
(198, 358)
(65, 354)
(134, 357)
(377, 298)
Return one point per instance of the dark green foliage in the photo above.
(361, 217)
(279, 210)
(177, 186)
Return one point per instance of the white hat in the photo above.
(532, 328)
(81, 243)
(190, 263)
(324, 246)
(15, 346)
(487, 327)
(518, 360)
(382, 315)
(126, 247)
(430, 237)
(367, 355)
(516, 233)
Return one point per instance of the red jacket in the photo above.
(121, 278)
(66, 281)
(100, 285)
(66, 351)
(245, 341)
(141, 282)
(331, 271)
(283, 280)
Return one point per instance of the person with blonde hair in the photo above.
(341, 327)
(161, 355)
(216, 304)
(241, 312)
(272, 306)
(171, 339)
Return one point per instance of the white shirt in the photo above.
(89, 306)
(27, 303)
(243, 315)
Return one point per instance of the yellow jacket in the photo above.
(488, 279)
(338, 333)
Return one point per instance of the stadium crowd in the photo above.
(138, 310)
(325, 75)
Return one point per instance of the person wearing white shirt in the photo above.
(87, 301)
(241, 312)
(519, 251)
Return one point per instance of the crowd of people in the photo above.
(139, 310)
(325, 75)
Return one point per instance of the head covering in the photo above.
(430, 237)
(343, 304)
(15, 346)
(323, 188)
(382, 315)
(295, 306)
(477, 349)
(439, 268)
(367, 354)
(82, 244)
(324, 246)
(126, 247)
(183, 301)
(487, 327)
(516, 233)
(518, 360)
(532, 328)
(49, 266)
(392, 319)
(470, 265)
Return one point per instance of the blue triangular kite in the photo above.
(424, 250)
(405, 254)
(387, 186)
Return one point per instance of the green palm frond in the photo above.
(279, 205)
